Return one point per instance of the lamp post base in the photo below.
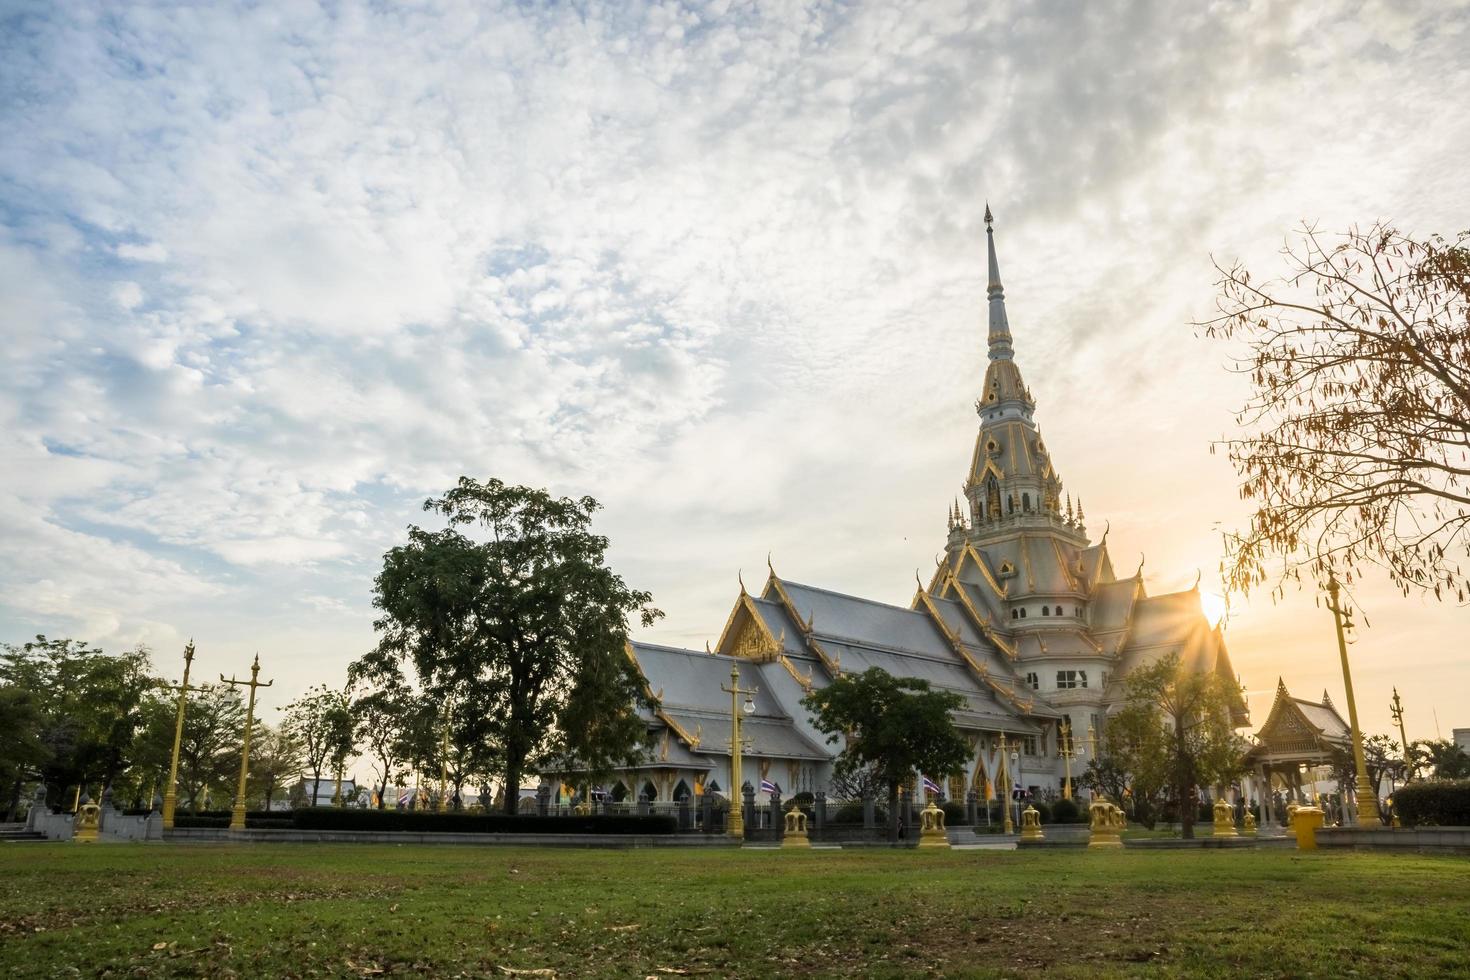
(237, 817)
(1367, 809)
(170, 803)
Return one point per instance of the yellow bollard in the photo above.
(1291, 809)
(1031, 825)
(1305, 822)
(87, 822)
(931, 827)
(1107, 823)
(795, 834)
(1224, 819)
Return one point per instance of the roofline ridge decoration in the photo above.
(1062, 561)
(772, 644)
(979, 560)
(785, 597)
(980, 669)
(981, 622)
(657, 702)
(805, 682)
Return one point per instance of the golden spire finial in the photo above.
(740, 577)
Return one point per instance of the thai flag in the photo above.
(403, 800)
(769, 787)
(930, 786)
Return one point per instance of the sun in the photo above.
(1214, 606)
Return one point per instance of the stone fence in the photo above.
(113, 825)
(1420, 840)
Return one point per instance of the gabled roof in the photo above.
(1301, 727)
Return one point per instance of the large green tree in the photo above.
(1174, 734)
(381, 711)
(895, 726)
(512, 614)
(89, 707)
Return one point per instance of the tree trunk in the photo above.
(513, 782)
(893, 812)
(1183, 785)
(14, 798)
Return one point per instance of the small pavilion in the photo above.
(1297, 738)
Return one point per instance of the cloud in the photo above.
(276, 272)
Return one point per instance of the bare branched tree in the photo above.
(1357, 449)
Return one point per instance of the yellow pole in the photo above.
(170, 794)
(237, 815)
(1367, 795)
(735, 826)
(1005, 780)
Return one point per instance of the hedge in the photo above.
(1066, 811)
(1434, 803)
(424, 821)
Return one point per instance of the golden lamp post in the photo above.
(1396, 709)
(237, 816)
(170, 793)
(1005, 780)
(1367, 795)
(735, 825)
(1066, 751)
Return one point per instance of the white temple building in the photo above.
(1025, 618)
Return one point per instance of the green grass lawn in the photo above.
(359, 910)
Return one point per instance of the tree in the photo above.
(209, 751)
(1174, 733)
(341, 736)
(311, 722)
(275, 757)
(21, 749)
(1360, 362)
(522, 632)
(1443, 758)
(90, 705)
(380, 715)
(1381, 758)
(897, 725)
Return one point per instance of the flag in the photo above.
(930, 786)
(769, 787)
(404, 798)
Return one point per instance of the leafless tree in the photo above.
(1357, 443)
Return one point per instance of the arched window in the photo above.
(681, 790)
(1026, 502)
(1023, 612)
(1015, 614)
(649, 792)
(1059, 610)
(1046, 610)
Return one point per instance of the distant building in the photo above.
(325, 792)
(1461, 738)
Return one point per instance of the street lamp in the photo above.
(735, 825)
(1396, 709)
(1065, 750)
(1367, 795)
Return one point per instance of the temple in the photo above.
(1024, 618)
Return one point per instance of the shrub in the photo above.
(1066, 811)
(1434, 803)
(954, 813)
(423, 821)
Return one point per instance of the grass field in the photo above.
(347, 910)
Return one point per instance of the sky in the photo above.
(272, 275)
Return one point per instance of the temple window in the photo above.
(1026, 502)
(1015, 614)
(1046, 610)
(1023, 612)
(1034, 681)
(1070, 679)
(1028, 744)
(1059, 611)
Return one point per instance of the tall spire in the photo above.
(1000, 328)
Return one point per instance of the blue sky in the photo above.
(273, 274)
